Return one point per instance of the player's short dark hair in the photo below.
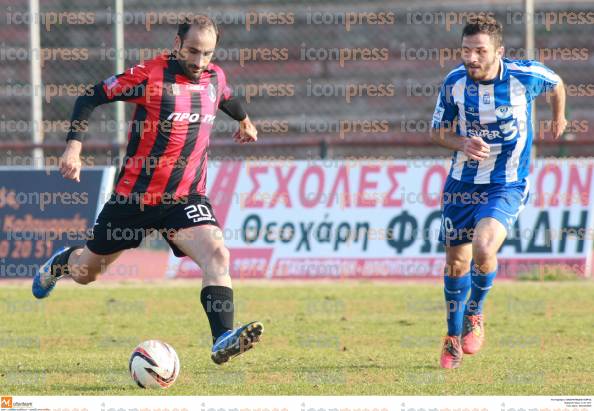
(202, 22)
(485, 25)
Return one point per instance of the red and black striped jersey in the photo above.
(166, 156)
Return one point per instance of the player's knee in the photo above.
(88, 271)
(484, 256)
(221, 256)
(456, 267)
(86, 274)
(86, 277)
(219, 262)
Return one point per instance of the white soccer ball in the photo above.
(154, 364)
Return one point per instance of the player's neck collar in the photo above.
(502, 69)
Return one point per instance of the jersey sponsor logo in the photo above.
(190, 117)
(484, 133)
(507, 131)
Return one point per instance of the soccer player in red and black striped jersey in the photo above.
(162, 183)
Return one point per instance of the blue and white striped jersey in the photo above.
(500, 112)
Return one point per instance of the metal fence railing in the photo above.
(333, 74)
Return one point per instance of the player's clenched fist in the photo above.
(475, 148)
(247, 132)
(70, 162)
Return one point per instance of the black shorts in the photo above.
(123, 223)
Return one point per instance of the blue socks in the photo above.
(481, 284)
(456, 292)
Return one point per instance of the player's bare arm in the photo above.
(70, 163)
(557, 99)
(247, 132)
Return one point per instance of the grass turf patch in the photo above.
(344, 338)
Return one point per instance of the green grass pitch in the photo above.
(342, 338)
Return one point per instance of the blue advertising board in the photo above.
(40, 211)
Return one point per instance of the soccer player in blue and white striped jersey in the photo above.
(484, 114)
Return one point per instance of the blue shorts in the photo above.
(465, 204)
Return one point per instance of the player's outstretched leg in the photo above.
(78, 262)
(51, 271)
(204, 244)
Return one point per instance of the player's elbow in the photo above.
(85, 104)
(559, 89)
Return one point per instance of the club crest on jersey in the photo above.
(172, 89)
(502, 112)
(175, 89)
(212, 93)
(486, 98)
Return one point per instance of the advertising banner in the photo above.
(40, 212)
(381, 219)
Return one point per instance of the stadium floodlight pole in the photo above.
(120, 60)
(36, 95)
(530, 52)
(529, 33)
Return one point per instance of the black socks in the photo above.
(60, 263)
(218, 305)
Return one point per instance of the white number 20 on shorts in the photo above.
(198, 212)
